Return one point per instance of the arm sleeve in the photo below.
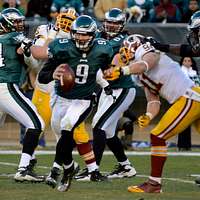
(46, 73)
(186, 50)
(100, 80)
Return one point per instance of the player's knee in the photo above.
(156, 141)
(81, 135)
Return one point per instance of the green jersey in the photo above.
(84, 64)
(116, 42)
(10, 66)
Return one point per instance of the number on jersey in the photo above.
(1, 56)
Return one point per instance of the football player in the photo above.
(41, 96)
(109, 111)
(12, 101)
(158, 74)
(86, 56)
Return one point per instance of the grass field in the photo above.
(177, 184)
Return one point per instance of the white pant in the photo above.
(13, 102)
(109, 112)
(68, 113)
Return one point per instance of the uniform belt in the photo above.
(191, 94)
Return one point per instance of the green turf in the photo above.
(176, 167)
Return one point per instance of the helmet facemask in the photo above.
(83, 32)
(83, 40)
(65, 19)
(12, 21)
(112, 28)
(125, 55)
(114, 22)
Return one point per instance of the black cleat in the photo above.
(96, 176)
(53, 176)
(27, 174)
(66, 180)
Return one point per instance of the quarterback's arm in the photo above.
(153, 103)
(46, 73)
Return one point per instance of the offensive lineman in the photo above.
(12, 101)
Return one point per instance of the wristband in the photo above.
(155, 101)
(150, 115)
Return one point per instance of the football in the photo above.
(68, 78)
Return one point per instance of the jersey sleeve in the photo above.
(143, 49)
(40, 35)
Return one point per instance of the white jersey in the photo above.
(166, 78)
(41, 36)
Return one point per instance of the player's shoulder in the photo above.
(144, 49)
(61, 44)
(41, 30)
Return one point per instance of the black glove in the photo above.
(108, 90)
(25, 45)
(151, 40)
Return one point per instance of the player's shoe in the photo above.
(27, 174)
(149, 186)
(95, 176)
(66, 180)
(197, 181)
(83, 175)
(53, 176)
(122, 171)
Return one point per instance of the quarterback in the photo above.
(86, 56)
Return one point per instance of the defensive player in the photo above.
(85, 56)
(158, 74)
(12, 101)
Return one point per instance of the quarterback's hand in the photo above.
(144, 120)
(58, 73)
(112, 73)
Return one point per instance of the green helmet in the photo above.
(11, 20)
(114, 22)
(83, 25)
(194, 31)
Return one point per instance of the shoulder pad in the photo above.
(19, 37)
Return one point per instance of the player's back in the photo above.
(167, 76)
(10, 66)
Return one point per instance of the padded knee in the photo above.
(80, 134)
(156, 141)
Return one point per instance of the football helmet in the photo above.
(194, 31)
(83, 32)
(114, 22)
(65, 19)
(132, 42)
(11, 20)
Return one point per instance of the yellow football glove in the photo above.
(144, 120)
(112, 73)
